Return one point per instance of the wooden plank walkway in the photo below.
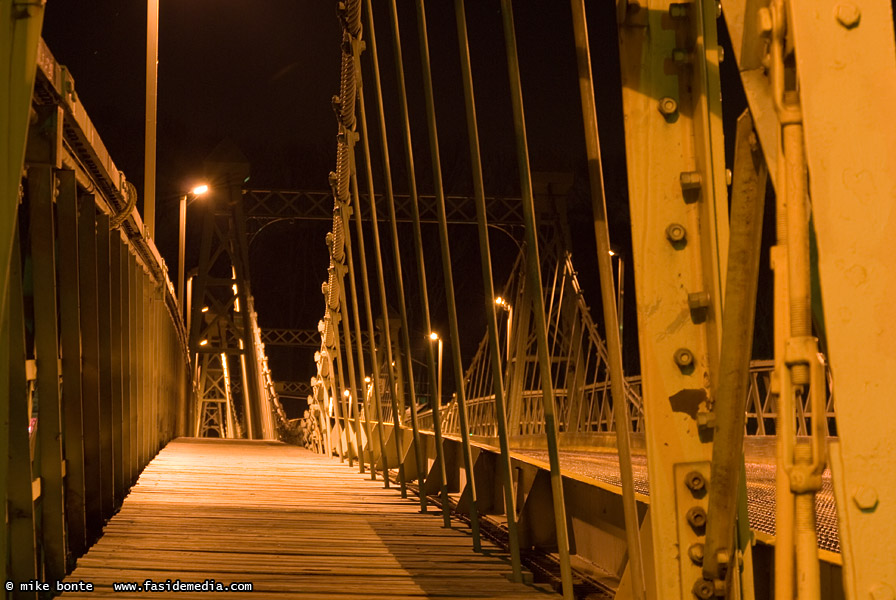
(292, 523)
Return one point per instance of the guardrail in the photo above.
(98, 359)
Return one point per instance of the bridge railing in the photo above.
(582, 393)
(98, 363)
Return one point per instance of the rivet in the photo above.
(848, 14)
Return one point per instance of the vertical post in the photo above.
(41, 196)
(69, 311)
(115, 335)
(128, 470)
(351, 401)
(675, 150)
(374, 360)
(181, 247)
(104, 297)
(356, 319)
(90, 383)
(390, 200)
(152, 78)
(418, 253)
(135, 309)
(22, 532)
(533, 278)
(611, 319)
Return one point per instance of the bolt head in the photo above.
(695, 481)
(676, 233)
(696, 516)
(668, 106)
(865, 498)
(704, 589)
(848, 14)
(764, 15)
(695, 553)
(678, 11)
(684, 357)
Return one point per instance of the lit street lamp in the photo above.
(499, 301)
(620, 272)
(182, 231)
(438, 395)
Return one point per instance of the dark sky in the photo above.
(262, 74)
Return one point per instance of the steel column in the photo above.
(375, 361)
(41, 198)
(70, 331)
(608, 300)
(418, 253)
(22, 531)
(487, 279)
(846, 62)
(533, 277)
(356, 319)
(387, 181)
(104, 309)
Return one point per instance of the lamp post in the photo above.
(182, 230)
(500, 301)
(620, 272)
(438, 393)
(149, 158)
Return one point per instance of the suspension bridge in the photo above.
(152, 450)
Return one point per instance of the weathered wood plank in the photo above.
(293, 523)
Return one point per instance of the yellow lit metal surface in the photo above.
(673, 130)
(847, 67)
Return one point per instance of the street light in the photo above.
(197, 191)
(438, 395)
(499, 301)
(620, 272)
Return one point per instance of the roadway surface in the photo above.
(291, 523)
(604, 467)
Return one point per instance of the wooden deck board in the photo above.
(293, 523)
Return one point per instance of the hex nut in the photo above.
(704, 589)
(698, 300)
(696, 517)
(676, 233)
(668, 106)
(678, 10)
(848, 14)
(865, 498)
(695, 553)
(695, 481)
(690, 180)
(684, 357)
(764, 15)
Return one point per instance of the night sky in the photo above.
(262, 74)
